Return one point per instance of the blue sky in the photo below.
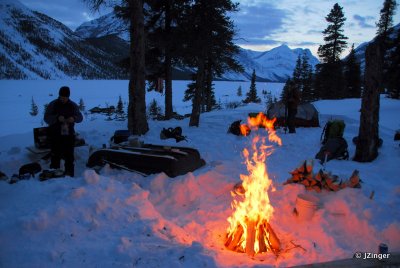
(261, 24)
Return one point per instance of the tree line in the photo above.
(336, 78)
(200, 34)
(164, 33)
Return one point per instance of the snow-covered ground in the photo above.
(120, 219)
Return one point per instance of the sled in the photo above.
(149, 159)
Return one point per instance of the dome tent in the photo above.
(307, 114)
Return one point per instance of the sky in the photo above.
(261, 24)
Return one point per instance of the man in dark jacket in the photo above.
(61, 115)
(293, 100)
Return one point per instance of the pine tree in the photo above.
(352, 75)
(307, 93)
(384, 30)
(251, 95)
(285, 91)
(392, 74)
(134, 12)
(119, 112)
(207, 34)
(81, 105)
(329, 82)
(34, 108)
(154, 109)
(297, 74)
(239, 91)
(335, 41)
(386, 19)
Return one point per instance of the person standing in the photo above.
(61, 115)
(293, 100)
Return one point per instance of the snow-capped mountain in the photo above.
(105, 25)
(274, 65)
(35, 46)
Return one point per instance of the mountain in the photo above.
(360, 50)
(275, 65)
(35, 46)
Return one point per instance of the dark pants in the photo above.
(62, 147)
(291, 119)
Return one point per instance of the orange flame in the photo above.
(255, 206)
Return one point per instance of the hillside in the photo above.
(275, 65)
(35, 46)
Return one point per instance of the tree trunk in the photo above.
(209, 86)
(368, 135)
(196, 108)
(137, 121)
(168, 64)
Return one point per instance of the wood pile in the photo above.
(322, 179)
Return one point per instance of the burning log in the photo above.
(233, 241)
(259, 238)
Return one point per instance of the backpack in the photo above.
(334, 148)
(235, 128)
(172, 133)
(332, 129)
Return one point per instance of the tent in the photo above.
(307, 114)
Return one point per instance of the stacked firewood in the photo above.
(322, 179)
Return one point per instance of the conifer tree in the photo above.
(251, 95)
(34, 108)
(239, 91)
(329, 82)
(81, 105)
(335, 40)
(307, 93)
(386, 19)
(352, 75)
(133, 11)
(119, 112)
(393, 70)
(207, 34)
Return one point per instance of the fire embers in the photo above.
(249, 229)
(322, 179)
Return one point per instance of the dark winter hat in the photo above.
(64, 92)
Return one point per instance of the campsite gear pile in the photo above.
(239, 129)
(172, 133)
(321, 180)
(334, 146)
(148, 159)
(129, 153)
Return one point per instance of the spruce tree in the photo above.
(335, 40)
(352, 75)
(239, 91)
(393, 70)
(34, 108)
(329, 82)
(251, 95)
(81, 105)
(207, 33)
(133, 11)
(386, 19)
(307, 93)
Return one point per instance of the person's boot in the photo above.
(69, 170)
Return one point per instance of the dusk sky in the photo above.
(261, 24)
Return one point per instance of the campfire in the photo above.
(249, 230)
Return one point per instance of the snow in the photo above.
(117, 218)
